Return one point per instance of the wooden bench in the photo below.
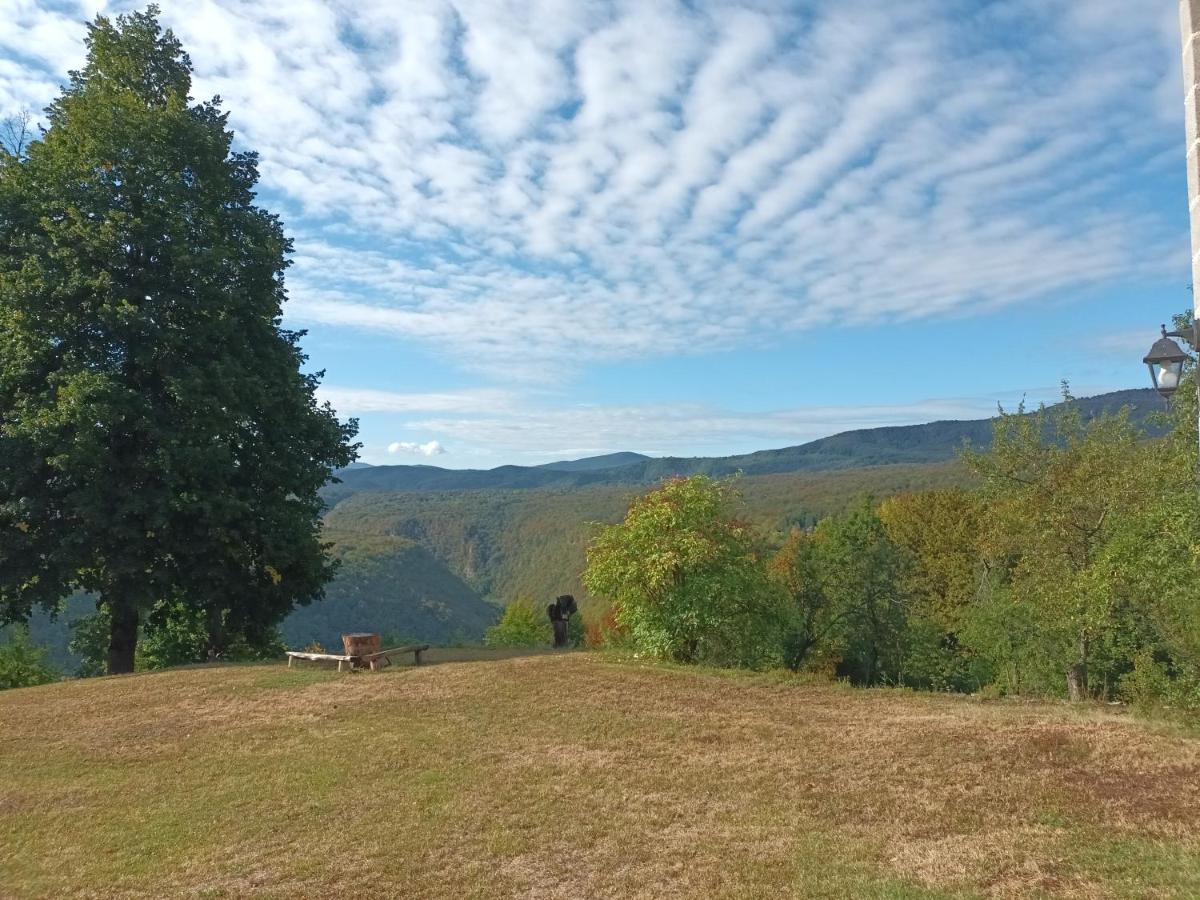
(320, 657)
(384, 657)
(372, 660)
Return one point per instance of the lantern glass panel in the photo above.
(1167, 375)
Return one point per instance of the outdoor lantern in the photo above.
(1165, 361)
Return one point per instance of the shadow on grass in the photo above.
(435, 655)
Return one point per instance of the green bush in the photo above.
(934, 660)
(686, 578)
(23, 663)
(1024, 649)
(1147, 687)
(576, 631)
(1151, 688)
(522, 625)
(89, 642)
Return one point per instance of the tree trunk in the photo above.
(798, 652)
(216, 633)
(122, 636)
(1077, 675)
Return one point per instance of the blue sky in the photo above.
(535, 230)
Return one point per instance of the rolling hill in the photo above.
(531, 543)
(521, 531)
(902, 444)
(596, 463)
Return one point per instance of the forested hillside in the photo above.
(531, 543)
(522, 531)
(908, 444)
(393, 586)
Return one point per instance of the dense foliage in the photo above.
(160, 445)
(523, 624)
(686, 576)
(1070, 569)
(23, 663)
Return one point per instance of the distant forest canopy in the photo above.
(436, 566)
(1069, 570)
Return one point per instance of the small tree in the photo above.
(685, 577)
(522, 624)
(937, 533)
(813, 623)
(861, 575)
(23, 663)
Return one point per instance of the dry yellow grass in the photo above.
(577, 776)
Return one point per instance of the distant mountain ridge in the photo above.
(596, 463)
(890, 445)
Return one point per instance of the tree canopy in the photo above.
(159, 437)
(686, 577)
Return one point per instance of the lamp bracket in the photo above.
(1192, 337)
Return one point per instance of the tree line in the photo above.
(1072, 570)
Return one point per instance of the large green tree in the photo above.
(862, 578)
(1059, 491)
(814, 625)
(1156, 555)
(159, 438)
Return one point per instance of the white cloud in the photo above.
(1129, 345)
(532, 430)
(530, 183)
(429, 448)
(682, 428)
(356, 401)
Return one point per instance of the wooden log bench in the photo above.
(339, 658)
(384, 657)
(372, 661)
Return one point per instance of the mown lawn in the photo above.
(578, 776)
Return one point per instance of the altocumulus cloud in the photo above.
(525, 183)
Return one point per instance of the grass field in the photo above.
(578, 776)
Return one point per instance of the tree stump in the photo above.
(360, 644)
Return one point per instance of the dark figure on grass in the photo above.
(560, 612)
